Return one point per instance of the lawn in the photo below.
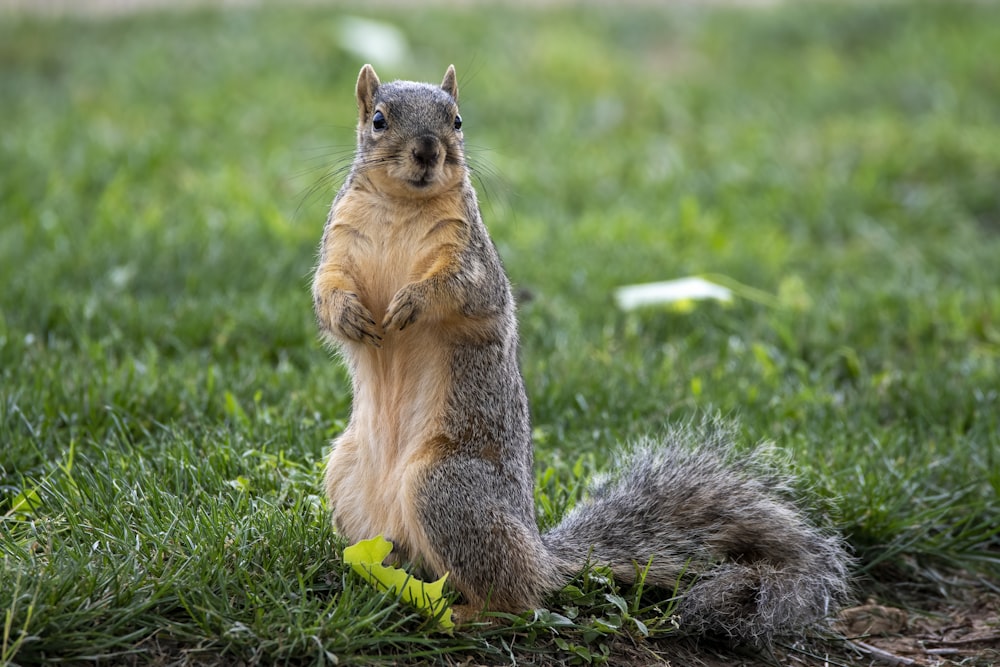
(165, 405)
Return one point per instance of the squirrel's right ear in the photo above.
(368, 83)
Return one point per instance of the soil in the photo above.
(959, 625)
(964, 631)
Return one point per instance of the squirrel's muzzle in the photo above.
(426, 151)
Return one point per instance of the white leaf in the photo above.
(692, 288)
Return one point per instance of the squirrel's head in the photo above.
(409, 135)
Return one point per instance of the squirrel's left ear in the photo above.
(450, 85)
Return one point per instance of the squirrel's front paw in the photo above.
(352, 320)
(404, 308)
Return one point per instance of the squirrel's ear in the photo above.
(450, 85)
(368, 83)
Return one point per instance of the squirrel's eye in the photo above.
(458, 122)
(378, 121)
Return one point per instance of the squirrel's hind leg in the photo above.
(494, 558)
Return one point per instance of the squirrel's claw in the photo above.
(366, 336)
(356, 322)
(403, 310)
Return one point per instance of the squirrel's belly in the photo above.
(372, 498)
(365, 494)
(376, 467)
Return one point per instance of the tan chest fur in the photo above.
(401, 387)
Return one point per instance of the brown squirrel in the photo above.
(437, 456)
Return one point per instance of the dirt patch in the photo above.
(960, 628)
(946, 632)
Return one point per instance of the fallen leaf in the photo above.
(366, 558)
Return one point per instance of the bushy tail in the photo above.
(720, 528)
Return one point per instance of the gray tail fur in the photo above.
(721, 529)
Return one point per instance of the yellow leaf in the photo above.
(366, 557)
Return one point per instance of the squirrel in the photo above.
(437, 455)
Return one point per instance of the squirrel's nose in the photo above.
(426, 151)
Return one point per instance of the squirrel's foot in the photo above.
(463, 614)
(404, 308)
(354, 322)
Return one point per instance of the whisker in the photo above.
(491, 183)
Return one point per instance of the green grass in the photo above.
(165, 406)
